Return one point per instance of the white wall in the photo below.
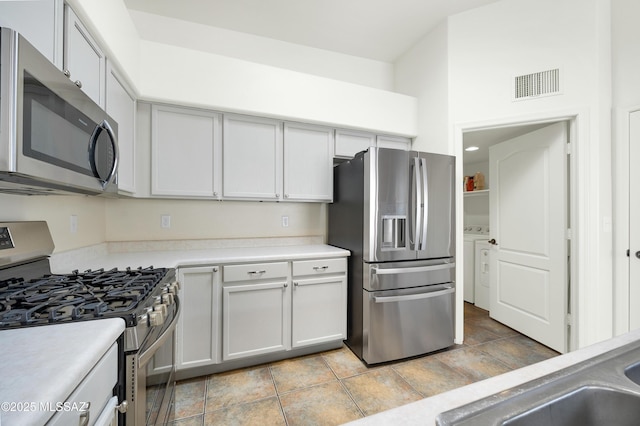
(194, 78)
(57, 211)
(139, 220)
(423, 72)
(262, 50)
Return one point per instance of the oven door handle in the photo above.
(146, 356)
(386, 299)
(409, 270)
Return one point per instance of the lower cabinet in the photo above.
(318, 314)
(198, 330)
(256, 319)
(230, 312)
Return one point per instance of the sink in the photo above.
(633, 373)
(604, 390)
(586, 406)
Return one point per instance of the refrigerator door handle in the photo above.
(386, 299)
(425, 206)
(394, 271)
(417, 215)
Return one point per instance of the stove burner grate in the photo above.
(77, 296)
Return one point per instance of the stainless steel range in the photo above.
(145, 298)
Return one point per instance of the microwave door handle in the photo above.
(417, 216)
(116, 153)
(104, 126)
(425, 207)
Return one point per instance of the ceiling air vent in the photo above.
(544, 83)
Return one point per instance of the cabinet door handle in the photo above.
(256, 272)
(78, 83)
(286, 285)
(295, 283)
(320, 268)
(85, 416)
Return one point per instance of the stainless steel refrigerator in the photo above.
(395, 211)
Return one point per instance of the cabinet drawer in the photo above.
(254, 271)
(319, 266)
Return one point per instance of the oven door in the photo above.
(150, 379)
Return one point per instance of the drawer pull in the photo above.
(320, 268)
(256, 272)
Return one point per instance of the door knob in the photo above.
(493, 241)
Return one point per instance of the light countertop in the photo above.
(424, 412)
(45, 364)
(204, 257)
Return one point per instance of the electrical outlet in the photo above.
(285, 221)
(73, 223)
(165, 221)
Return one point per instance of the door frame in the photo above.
(583, 268)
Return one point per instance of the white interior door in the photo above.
(634, 224)
(528, 215)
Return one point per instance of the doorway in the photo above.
(543, 320)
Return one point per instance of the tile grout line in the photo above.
(275, 387)
(344, 387)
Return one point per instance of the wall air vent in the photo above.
(544, 83)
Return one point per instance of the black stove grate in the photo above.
(77, 296)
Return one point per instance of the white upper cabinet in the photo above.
(84, 61)
(252, 158)
(349, 142)
(39, 21)
(121, 106)
(394, 142)
(308, 162)
(185, 152)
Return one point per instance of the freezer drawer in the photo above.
(396, 275)
(403, 323)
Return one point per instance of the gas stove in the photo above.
(145, 298)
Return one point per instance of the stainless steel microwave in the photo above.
(53, 137)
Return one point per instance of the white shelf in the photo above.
(476, 193)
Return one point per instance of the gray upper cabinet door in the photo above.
(83, 59)
(121, 106)
(39, 21)
(252, 158)
(394, 142)
(185, 152)
(308, 162)
(350, 142)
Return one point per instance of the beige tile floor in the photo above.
(335, 387)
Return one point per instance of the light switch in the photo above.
(285, 221)
(165, 221)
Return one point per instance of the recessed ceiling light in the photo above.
(471, 148)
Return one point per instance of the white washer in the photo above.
(472, 233)
(481, 294)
